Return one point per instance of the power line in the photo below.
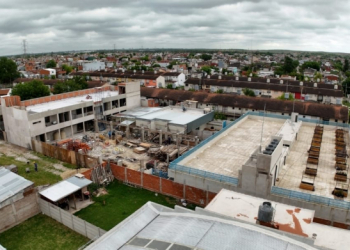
(24, 45)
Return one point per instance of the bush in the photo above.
(248, 92)
(219, 116)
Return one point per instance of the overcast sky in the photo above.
(316, 25)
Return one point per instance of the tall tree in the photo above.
(51, 64)
(30, 90)
(289, 65)
(77, 83)
(8, 70)
(346, 65)
(206, 57)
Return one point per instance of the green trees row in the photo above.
(36, 88)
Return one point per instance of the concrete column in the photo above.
(111, 125)
(160, 137)
(196, 140)
(84, 127)
(127, 132)
(142, 134)
(71, 128)
(59, 133)
(96, 125)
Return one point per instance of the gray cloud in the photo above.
(257, 24)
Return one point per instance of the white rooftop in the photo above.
(95, 97)
(11, 184)
(290, 219)
(137, 112)
(156, 227)
(65, 188)
(174, 115)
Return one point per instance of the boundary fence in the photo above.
(69, 220)
(310, 198)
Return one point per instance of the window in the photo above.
(282, 113)
(47, 119)
(336, 120)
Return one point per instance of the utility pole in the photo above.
(24, 45)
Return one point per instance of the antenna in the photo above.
(262, 129)
(24, 44)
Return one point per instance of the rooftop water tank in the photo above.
(266, 211)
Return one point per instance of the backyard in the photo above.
(41, 232)
(50, 170)
(120, 202)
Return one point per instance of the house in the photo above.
(93, 66)
(331, 79)
(310, 72)
(163, 63)
(18, 200)
(47, 73)
(177, 79)
(56, 117)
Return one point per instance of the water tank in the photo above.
(265, 213)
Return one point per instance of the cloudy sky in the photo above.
(316, 25)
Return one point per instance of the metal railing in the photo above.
(310, 198)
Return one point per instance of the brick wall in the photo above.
(161, 185)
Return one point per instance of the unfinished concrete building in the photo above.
(56, 117)
(293, 160)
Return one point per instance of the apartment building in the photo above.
(56, 117)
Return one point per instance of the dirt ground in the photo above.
(47, 164)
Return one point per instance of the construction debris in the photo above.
(102, 175)
(139, 150)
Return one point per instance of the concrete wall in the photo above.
(76, 224)
(15, 212)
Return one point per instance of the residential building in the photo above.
(177, 79)
(47, 73)
(93, 66)
(271, 88)
(236, 105)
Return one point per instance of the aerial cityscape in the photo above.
(174, 125)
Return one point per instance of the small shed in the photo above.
(67, 190)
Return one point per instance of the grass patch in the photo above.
(41, 177)
(54, 161)
(120, 203)
(41, 232)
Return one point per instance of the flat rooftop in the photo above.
(137, 112)
(290, 219)
(291, 174)
(175, 115)
(227, 153)
(95, 97)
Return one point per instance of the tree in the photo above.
(8, 70)
(311, 64)
(289, 65)
(51, 64)
(67, 68)
(171, 64)
(206, 69)
(248, 92)
(206, 57)
(77, 83)
(282, 97)
(346, 65)
(159, 58)
(346, 86)
(30, 90)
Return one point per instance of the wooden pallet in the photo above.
(312, 160)
(340, 166)
(307, 186)
(339, 177)
(340, 160)
(311, 171)
(314, 154)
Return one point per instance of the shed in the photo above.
(66, 188)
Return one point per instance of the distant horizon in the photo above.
(65, 25)
(209, 50)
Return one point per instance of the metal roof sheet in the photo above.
(11, 184)
(65, 188)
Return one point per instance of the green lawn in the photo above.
(41, 232)
(41, 177)
(120, 202)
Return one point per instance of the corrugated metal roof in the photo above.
(11, 184)
(149, 228)
(65, 188)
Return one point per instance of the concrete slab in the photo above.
(230, 151)
(290, 175)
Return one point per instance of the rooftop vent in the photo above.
(266, 212)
